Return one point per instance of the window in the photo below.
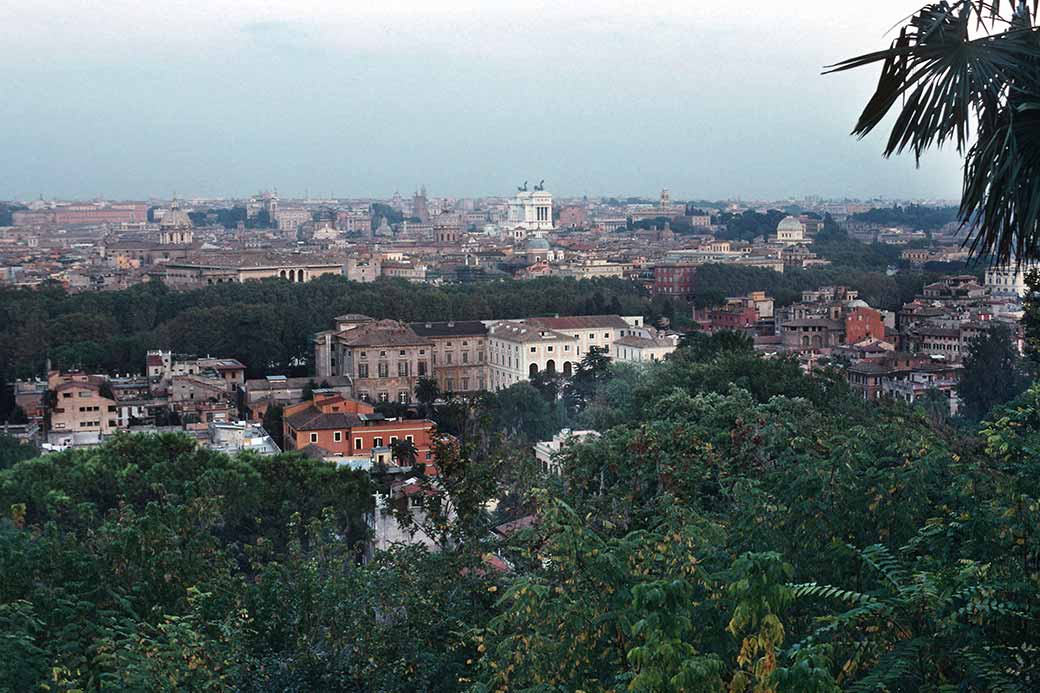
(377, 442)
(358, 444)
(393, 439)
(362, 370)
(422, 352)
(337, 436)
(363, 396)
(364, 355)
(606, 335)
(314, 437)
(592, 336)
(465, 357)
(550, 347)
(66, 395)
(401, 353)
(383, 354)
(402, 396)
(384, 369)
(410, 439)
(402, 368)
(480, 356)
(532, 349)
(465, 384)
(447, 357)
(422, 368)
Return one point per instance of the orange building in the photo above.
(352, 428)
(864, 323)
(80, 407)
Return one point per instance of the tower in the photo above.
(419, 208)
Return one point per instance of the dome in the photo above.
(536, 244)
(175, 218)
(790, 224)
(857, 303)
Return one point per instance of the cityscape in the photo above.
(534, 440)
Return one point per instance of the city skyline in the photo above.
(128, 102)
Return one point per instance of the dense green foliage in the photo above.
(13, 451)
(737, 526)
(994, 373)
(749, 224)
(912, 216)
(267, 325)
(876, 288)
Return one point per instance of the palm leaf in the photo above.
(940, 81)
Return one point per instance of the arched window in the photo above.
(550, 366)
(567, 369)
(533, 370)
(299, 275)
(292, 275)
(282, 274)
(805, 340)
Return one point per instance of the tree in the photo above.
(593, 371)
(1031, 316)
(405, 452)
(992, 373)
(426, 393)
(958, 64)
(272, 423)
(18, 416)
(520, 411)
(308, 390)
(13, 451)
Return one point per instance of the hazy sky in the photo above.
(127, 99)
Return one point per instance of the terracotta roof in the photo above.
(312, 419)
(518, 332)
(382, 333)
(813, 322)
(580, 322)
(508, 528)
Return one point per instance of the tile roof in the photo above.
(580, 322)
(519, 332)
(313, 419)
(458, 328)
(382, 333)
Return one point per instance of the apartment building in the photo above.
(458, 356)
(81, 413)
(337, 426)
(385, 358)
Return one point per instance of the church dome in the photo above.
(790, 224)
(175, 218)
(536, 244)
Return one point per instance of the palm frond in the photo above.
(940, 81)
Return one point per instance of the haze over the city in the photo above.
(712, 100)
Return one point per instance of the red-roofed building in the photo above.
(351, 428)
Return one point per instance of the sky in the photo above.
(126, 99)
